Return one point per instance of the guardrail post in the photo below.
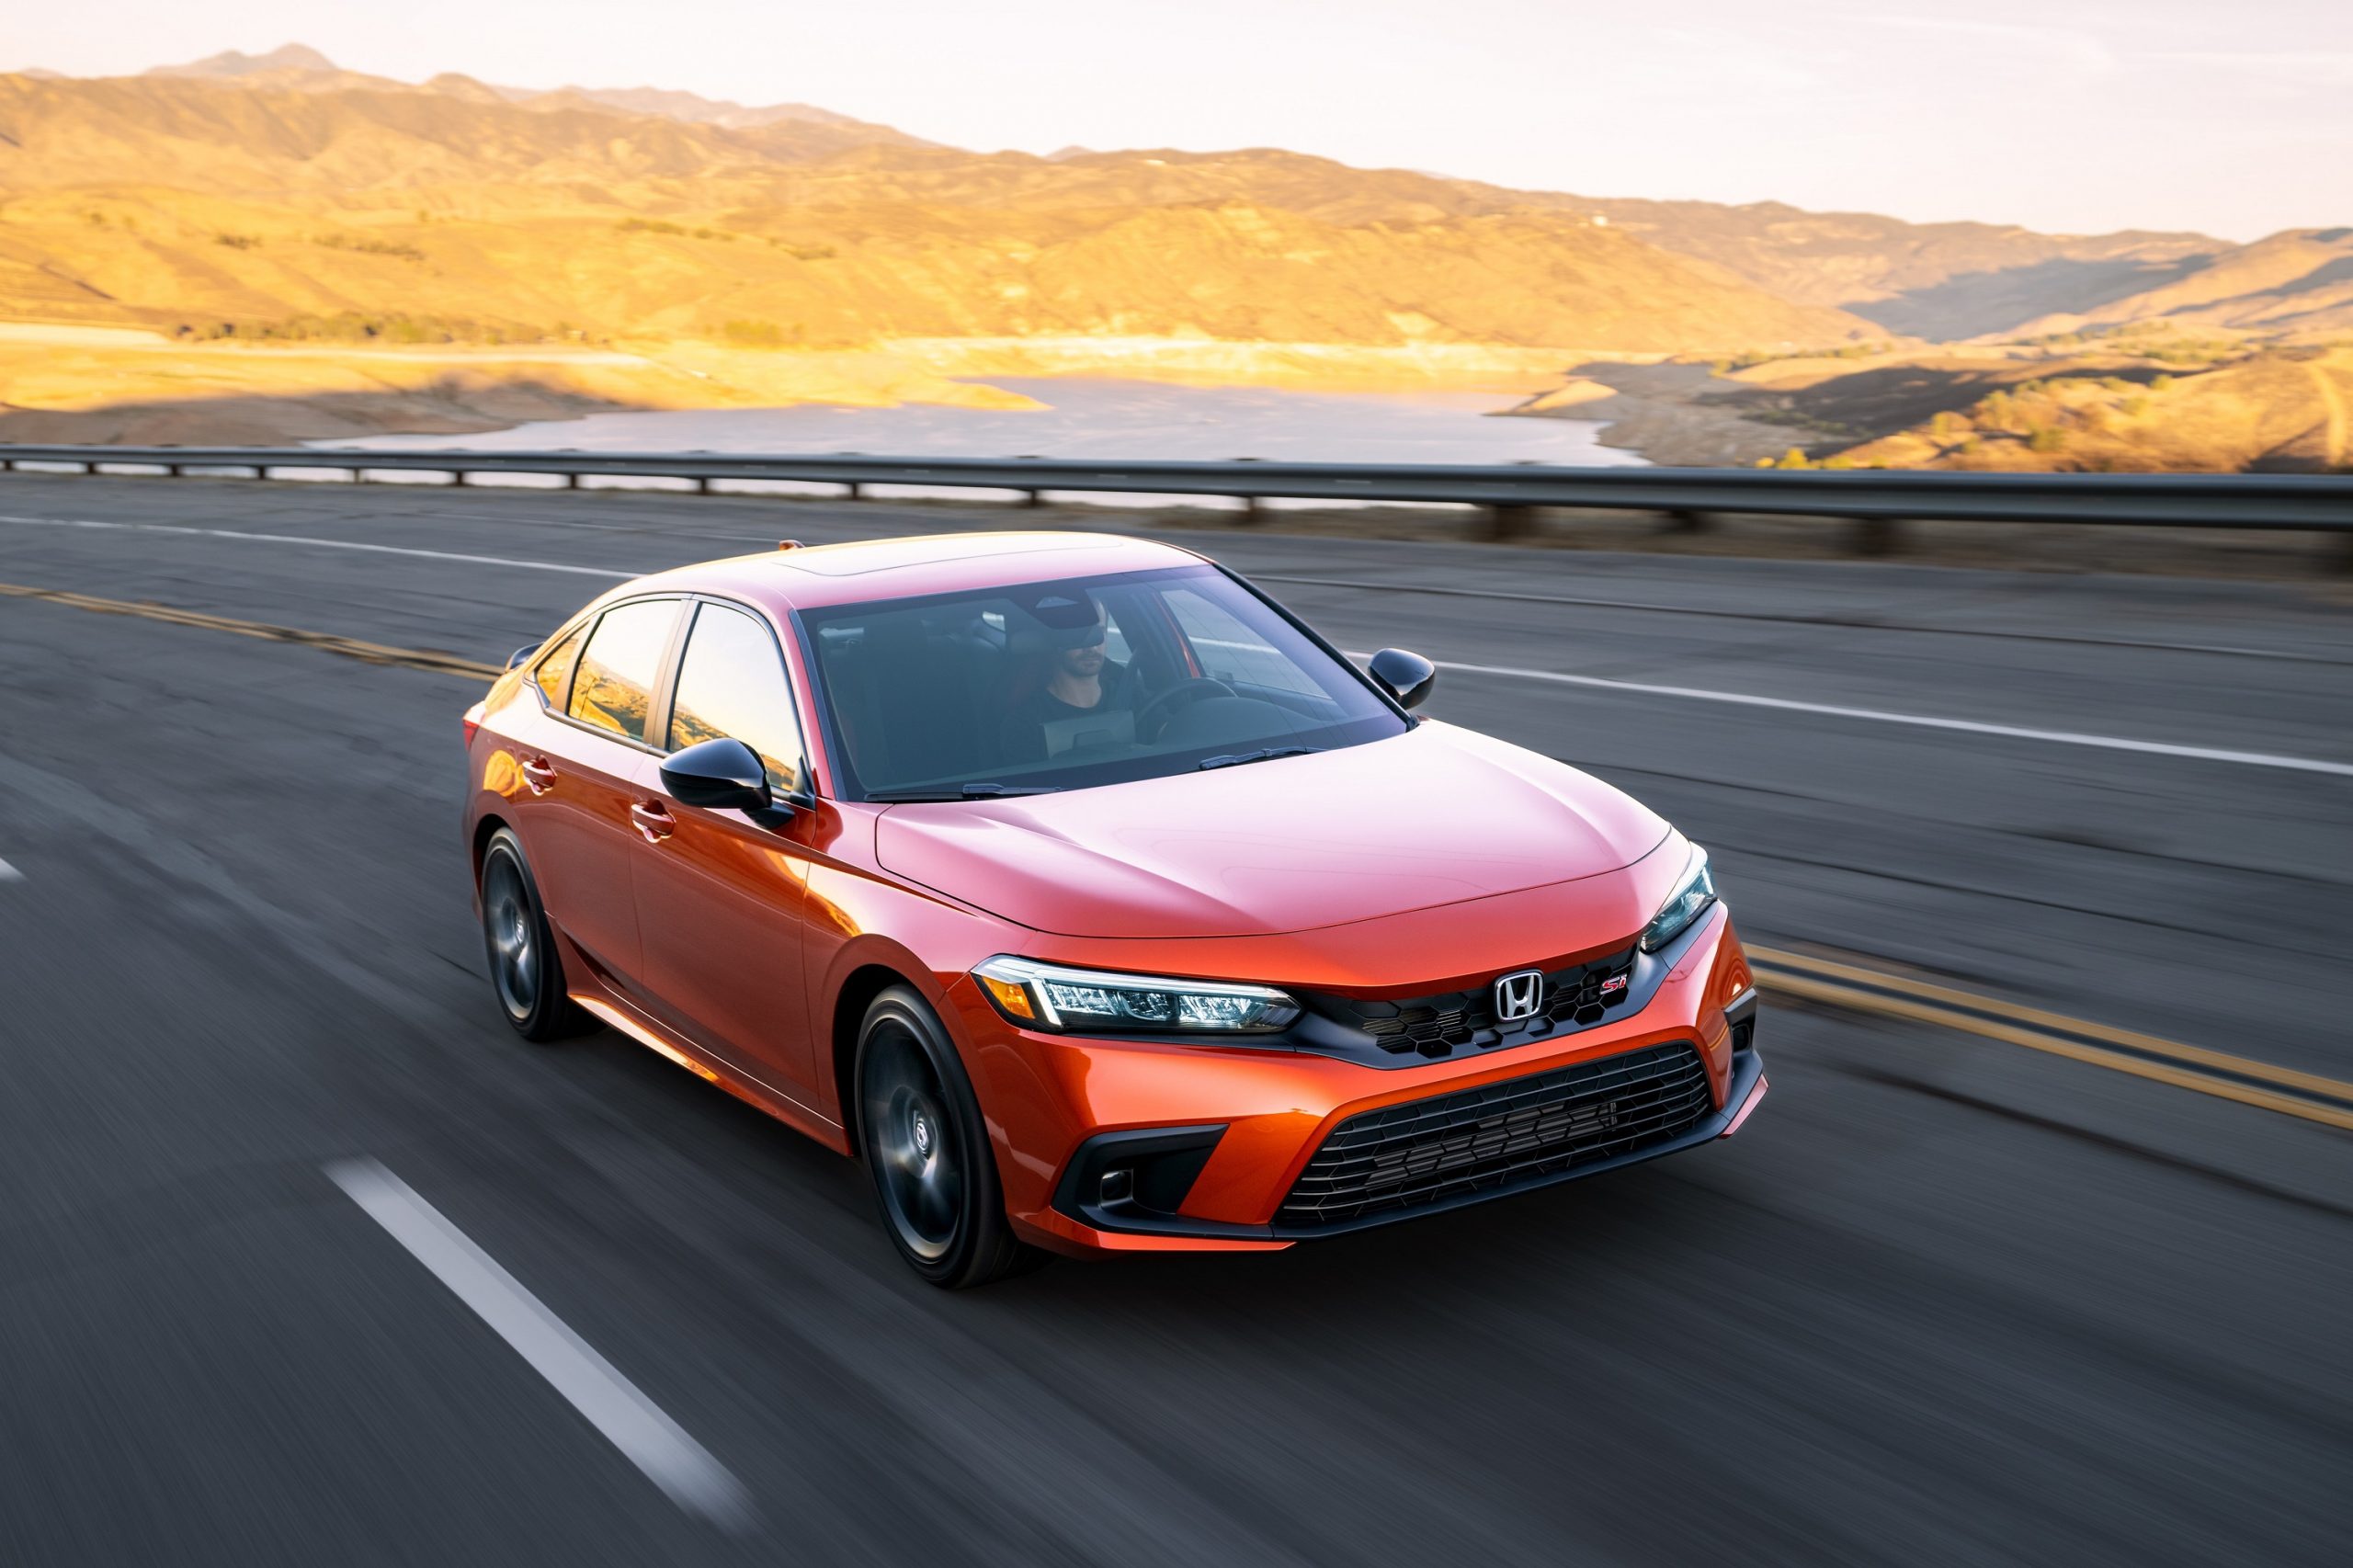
(1508, 521)
(1875, 536)
(854, 491)
(2344, 552)
(1033, 498)
(572, 481)
(1682, 520)
(1254, 511)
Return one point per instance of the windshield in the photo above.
(1081, 681)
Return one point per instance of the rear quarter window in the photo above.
(553, 673)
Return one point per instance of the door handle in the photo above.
(539, 774)
(654, 820)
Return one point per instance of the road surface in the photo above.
(306, 1259)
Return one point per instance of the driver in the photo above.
(1079, 679)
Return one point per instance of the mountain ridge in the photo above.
(1945, 281)
(240, 205)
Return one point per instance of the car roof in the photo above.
(812, 576)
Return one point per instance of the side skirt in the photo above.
(743, 1086)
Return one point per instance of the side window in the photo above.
(554, 672)
(1233, 652)
(621, 665)
(732, 683)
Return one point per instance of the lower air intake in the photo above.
(1501, 1134)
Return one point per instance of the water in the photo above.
(1092, 418)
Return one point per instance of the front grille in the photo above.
(1425, 1151)
(1449, 1021)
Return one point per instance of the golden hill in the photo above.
(248, 205)
(304, 250)
(2277, 410)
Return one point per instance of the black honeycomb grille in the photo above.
(1452, 1021)
(1425, 1151)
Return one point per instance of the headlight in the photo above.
(1077, 1001)
(1685, 903)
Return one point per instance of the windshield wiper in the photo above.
(1264, 754)
(965, 792)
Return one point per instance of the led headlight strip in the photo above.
(1690, 899)
(1066, 1001)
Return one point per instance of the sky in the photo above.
(2071, 116)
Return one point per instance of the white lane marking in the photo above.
(324, 544)
(1698, 694)
(633, 1423)
(1916, 721)
(9, 873)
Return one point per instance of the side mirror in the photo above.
(522, 655)
(723, 775)
(1407, 677)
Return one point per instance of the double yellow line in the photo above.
(2305, 1095)
(349, 647)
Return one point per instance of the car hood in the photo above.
(1434, 816)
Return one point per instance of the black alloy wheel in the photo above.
(926, 1148)
(524, 968)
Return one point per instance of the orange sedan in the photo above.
(1091, 899)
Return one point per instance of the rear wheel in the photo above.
(927, 1148)
(525, 971)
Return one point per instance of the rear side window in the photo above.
(554, 672)
(621, 665)
(732, 683)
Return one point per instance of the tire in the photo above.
(926, 1149)
(526, 971)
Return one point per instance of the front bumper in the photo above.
(1215, 1139)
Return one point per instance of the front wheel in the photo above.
(927, 1148)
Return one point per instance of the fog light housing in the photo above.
(1120, 1180)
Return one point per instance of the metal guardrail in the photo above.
(2317, 503)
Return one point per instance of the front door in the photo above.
(721, 898)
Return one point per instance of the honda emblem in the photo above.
(1519, 995)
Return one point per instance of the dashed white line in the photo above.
(674, 1461)
(9, 873)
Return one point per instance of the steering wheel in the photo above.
(1192, 690)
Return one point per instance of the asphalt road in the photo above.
(1944, 1300)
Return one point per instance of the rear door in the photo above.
(721, 898)
(587, 763)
